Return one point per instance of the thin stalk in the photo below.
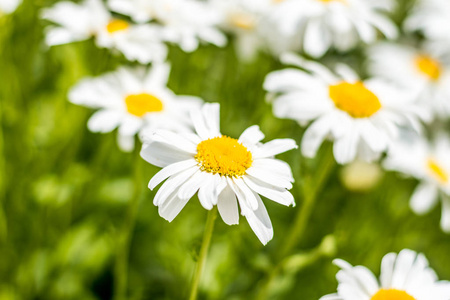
(209, 228)
(123, 250)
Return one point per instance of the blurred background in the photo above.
(66, 226)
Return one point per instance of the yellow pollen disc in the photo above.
(140, 104)
(437, 171)
(355, 99)
(392, 294)
(428, 66)
(242, 21)
(117, 25)
(223, 155)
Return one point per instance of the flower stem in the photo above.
(123, 250)
(209, 228)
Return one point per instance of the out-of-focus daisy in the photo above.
(9, 6)
(429, 163)
(245, 19)
(405, 276)
(225, 171)
(140, 11)
(362, 117)
(133, 99)
(77, 22)
(416, 70)
(431, 17)
(188, 22)
(338, 23)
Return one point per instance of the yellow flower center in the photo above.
(242, 21)
(437, 171)
(117, 25)
(391, 294)
(223, 155)
(355, 99)
(140, 104)
(429, 66)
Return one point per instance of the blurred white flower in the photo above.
(362, 117)
(188, 22)
(9, 6)
(431, 17)
(246, 19)
(419, 71)
(140, 11)
(338, 23)
(429, 163)
(77, 22)
(133, 99)
(221, 169)
(404, 276)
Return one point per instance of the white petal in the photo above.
(206, 193)
(171, 186)
(274, 147)
(251, 135)
(126, 142)
(247, 193)
(344, 148)
(191, 186)
(387, 270)
(269, 177)
(317, 38)
(172, 139)
(169, 171)
(171, 208)
(269, 191)
(162, 155)
(227, 206)
(315, 135)
(278, 167)
(445, 218)
(104, 121)
(424, 198)
(259, 221)
(403, 264)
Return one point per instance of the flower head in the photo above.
(362, 117)
(133, 99)
(77, 22)
(429, 163)
(224, 171)
(404, 276)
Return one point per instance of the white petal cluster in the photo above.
(9, 6)
(402, 66)
(430, 163)
(108, 94)
(405, 272)
(184, 177)
(340, 24)
(304, 96)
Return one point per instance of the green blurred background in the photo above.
(68, 226)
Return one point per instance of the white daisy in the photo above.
(77, 22)
(9, 6)
(405, 276)
(431, 17)
(245, 19)
(221, 169)
(338, 23)
(429, 163)
(417, 70)
(187, 22)
(362, 117)
(133, 99)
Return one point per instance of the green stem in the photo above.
(209, 228)
(123, 250)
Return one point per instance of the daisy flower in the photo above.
(404, 276)
(225, 171)
(362, 117)
(133, 99)
(245, 20)
(431, 17)
(430, 164)
(77, 22)
(9, 6)
(338, 23)
(187, 22)
(416, 70)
